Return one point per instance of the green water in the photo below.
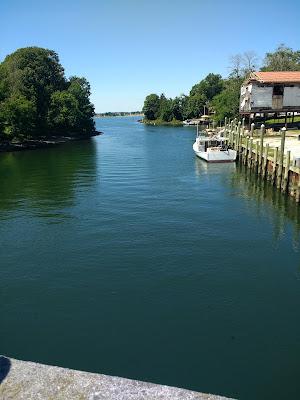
(128, 256)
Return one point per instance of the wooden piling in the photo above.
(249, 157)
(298, 191)
(256, 154)
(261, 149)
(252, 129)
(286, 172)
(281, 158)
(238, 131)
(265, 163)
(275, 165)
(245, 157)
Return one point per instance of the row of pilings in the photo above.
(270, 163)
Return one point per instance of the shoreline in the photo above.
(158, 122)
(51, 141)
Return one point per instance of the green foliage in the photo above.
(179, 106)
(282, 59)
(81, 90)
(165, 108)
(182, 107)
(63, 111)
(226, 104)
(194, 106)
(151, 107)
(36, 98)
(17, 115)
(209, 87)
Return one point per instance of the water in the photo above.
(128, 256)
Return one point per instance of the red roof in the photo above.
(276, 77)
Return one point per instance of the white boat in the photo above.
(213, 149)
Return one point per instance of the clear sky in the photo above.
(130, 48)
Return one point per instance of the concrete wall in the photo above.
(21, 380)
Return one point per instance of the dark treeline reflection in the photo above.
(48, 178)
(282, 208)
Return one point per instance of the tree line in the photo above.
(36, 99)
(217, 94)
(118, 113)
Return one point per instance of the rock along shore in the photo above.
(31, 144)
(23, 380)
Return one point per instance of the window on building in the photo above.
(278, 90)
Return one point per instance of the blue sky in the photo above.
(128, 49)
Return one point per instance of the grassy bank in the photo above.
(160, 122)
(281, 120)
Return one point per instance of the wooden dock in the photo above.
(273, 164)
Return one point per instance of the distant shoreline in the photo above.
(120, 114)
(159, 122)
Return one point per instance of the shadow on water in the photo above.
(5, 365)
(46, 178)
(248, 185)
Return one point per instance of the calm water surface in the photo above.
(126, 255)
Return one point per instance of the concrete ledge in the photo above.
(23, 380)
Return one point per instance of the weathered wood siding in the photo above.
(291, 96)
(257, 97)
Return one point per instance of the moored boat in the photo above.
(213, 149)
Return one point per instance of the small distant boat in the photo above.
(213, 149)
(189, 122)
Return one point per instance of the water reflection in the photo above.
(45, 180)
(280, 208)
(203, 167)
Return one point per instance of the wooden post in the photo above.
(285, 123)
(236, 141)
(252, 129)
(274, 165)
(265, 160)
(250, 153)
(286, 172)
(298, 190)
(246, 151)
(281, 156)
(231, 133)
(238, 136)
(256, 155)
(262, 130)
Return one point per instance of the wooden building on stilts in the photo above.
(271, 94)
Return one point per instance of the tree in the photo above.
(179, 105)
(226, 104)
(165, 108)
(209, 87)
(236, 66)
(282, 59)
(194, 106)
(63, 111)
(250, 61)
(81, 90)
(240, 65)
(151, 107)
(17, 116)
(31, 78)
